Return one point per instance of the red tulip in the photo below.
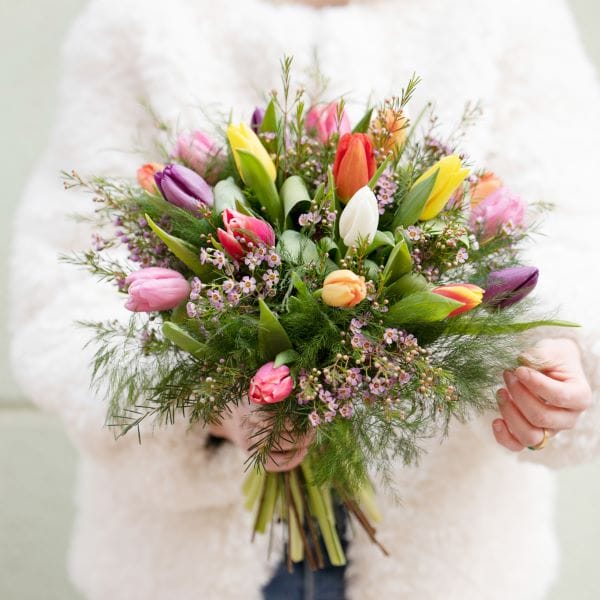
(468, 294)
(241, 230)
(354, 164)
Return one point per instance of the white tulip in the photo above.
(360, 218)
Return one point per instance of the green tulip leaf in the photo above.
(182, 339)
(371, 270)
(298, 247)
(412, 206)
(272, 338)
(406, 285)
(399, 263)
(228, 195)
(363, 125)
(256, 177)
(295, 197)
(382, 167)
(421, 307)
(184, 251)
(381, 238)
(269, 123)
(285, 358)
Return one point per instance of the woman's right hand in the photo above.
(240, 426)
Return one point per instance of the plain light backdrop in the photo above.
(37, 464)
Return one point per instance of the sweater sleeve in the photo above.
(99, 121)
(544, 145)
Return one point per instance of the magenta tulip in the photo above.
(199, 152)
(326, 121)
(156, 289)
(270, 384)
(501, 208)
(242, 230)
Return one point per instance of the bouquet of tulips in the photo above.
(343, 281)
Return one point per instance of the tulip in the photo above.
(241, 137)
(509, 286)
(466, 293)
(155, 289)
(327, 121)
(343, 289)
(499, 209)
(241, 230)
(360, 218)
(450, 174)
(354, 164)
(485, 186)
(257, 119)
(200, 152)
(270, 384)
(184, 188)
(145, 176)
(391, 127)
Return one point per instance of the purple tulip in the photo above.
(509, 286)
(257, 118)
(184, 188)
(155, 289)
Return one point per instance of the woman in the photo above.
(163, 519)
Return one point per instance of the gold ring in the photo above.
(543, 443)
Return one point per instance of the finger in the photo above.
(573, 394)
(535, 411)
(517, 424)
(504, 437)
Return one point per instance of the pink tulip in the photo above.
(270, 384)
(155, 289)
(242, 230)
(497, 210)
(200, 152)
(326, 122)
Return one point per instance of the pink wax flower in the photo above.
(499, 209)
(155, 289)
(324, 119)
(242, 230)
(270, 384)
(201, 153)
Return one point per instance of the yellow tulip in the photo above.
(343, 289)
(450, 174)
(241, 137)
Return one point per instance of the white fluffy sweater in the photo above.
(163, 520)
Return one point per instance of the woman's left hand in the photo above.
(551, 398)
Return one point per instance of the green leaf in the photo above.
(181, 338)
(298, 247)
(382, 167)
(228, 195)
(371, 270)
(399, 263)
(406, 285)
(272, 338)
(363, 125)
(184, 251)
(412, 206)
(295, 197)
(258, 180)
(479, 326)
(285, 358)
(381, 238)
(269, 124)
(328, 246)
(421, 307)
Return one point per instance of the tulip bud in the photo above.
(270, 384)
(201, 153)
(468, 294)
(509, 286)
(354, 164)
(360, 218)
(184, 188)
(257, 118)
(241, 230)
(343, 289)
(327, 121)
(389, 130)
(450, 174)
(241, 137)
(485, 186)
(497, 211)
(145, 176)
(156, 289)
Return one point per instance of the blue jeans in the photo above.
(304, 584)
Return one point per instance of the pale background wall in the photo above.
(37, 463)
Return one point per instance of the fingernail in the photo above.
(497, 425)
(509, 376)
(522, 373)
(500, 395)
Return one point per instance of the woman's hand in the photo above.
(552, 397)
(240, 427)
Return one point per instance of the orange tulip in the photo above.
(145, 176)
(485, 186)
(354, 164)
(468, 294)
(343, 289)
(390, 127)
